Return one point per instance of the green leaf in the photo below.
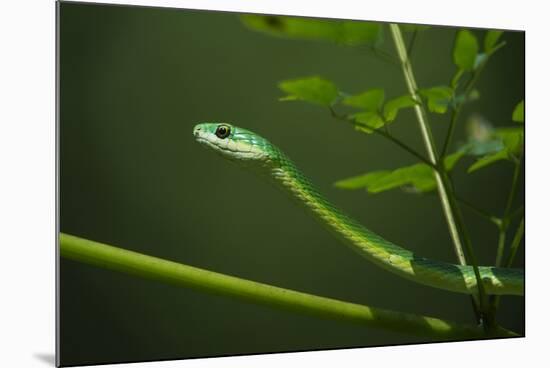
(512, 138)
(361, 181)
(439, 98)
(367, 121)
(371, 100)
(451, 160)
(465, 50)
(419, 176)
(518, 114)
(358, 33)
(488, 160)
(312, 89)
(491, 39)
(511, 143)
(392, 107)
(342, 32)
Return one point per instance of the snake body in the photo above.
(254, 151)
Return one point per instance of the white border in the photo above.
(27, 183)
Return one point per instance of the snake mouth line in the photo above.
(202, 140)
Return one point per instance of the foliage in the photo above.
(349, 33)
(419, 177)
(371, 112)
(392, 107)
(439, 98)
(371, 100)
(311, 89)
(465, 50)
(518, 114)
(500, 144)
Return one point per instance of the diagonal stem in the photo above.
(515, 243)
(450, 208)
(427, 138)
(118, 259)
(495, 300)
(507, 211)
(481, 212)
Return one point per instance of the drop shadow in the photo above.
(47, 358)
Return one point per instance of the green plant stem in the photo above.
(450, 130)
(455, 113)
(117, 259)
(515, 243)
(513, 189)
(411, 43)
(450, 208)
(427, 138)
(516, 212)
(404, 146)
(510, 260)
(481, 212)
(503, 230)
(507, 213)
(469, 250)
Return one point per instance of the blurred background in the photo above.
(133, 83)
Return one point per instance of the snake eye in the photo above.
(223, 131)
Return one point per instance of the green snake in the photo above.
(254, 151)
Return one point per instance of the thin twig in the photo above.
(456, 110)
(503, 229)
(495, 300)
(384, 133)
(411, 43)
(404, 146)
(481, 212)
(383, 55)
(507, 211)
(515, 243)
(517, 211)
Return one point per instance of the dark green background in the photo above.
(134, 81)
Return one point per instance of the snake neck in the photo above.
(360, 238)
(385, 254)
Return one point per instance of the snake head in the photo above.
(236, 144)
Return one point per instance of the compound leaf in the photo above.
(465, 50)
(367, 121)
(392, 107)
(311, 89)
(371, 100)
(439, 98)
(361, 181)
(341, 32)
(418, 176)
